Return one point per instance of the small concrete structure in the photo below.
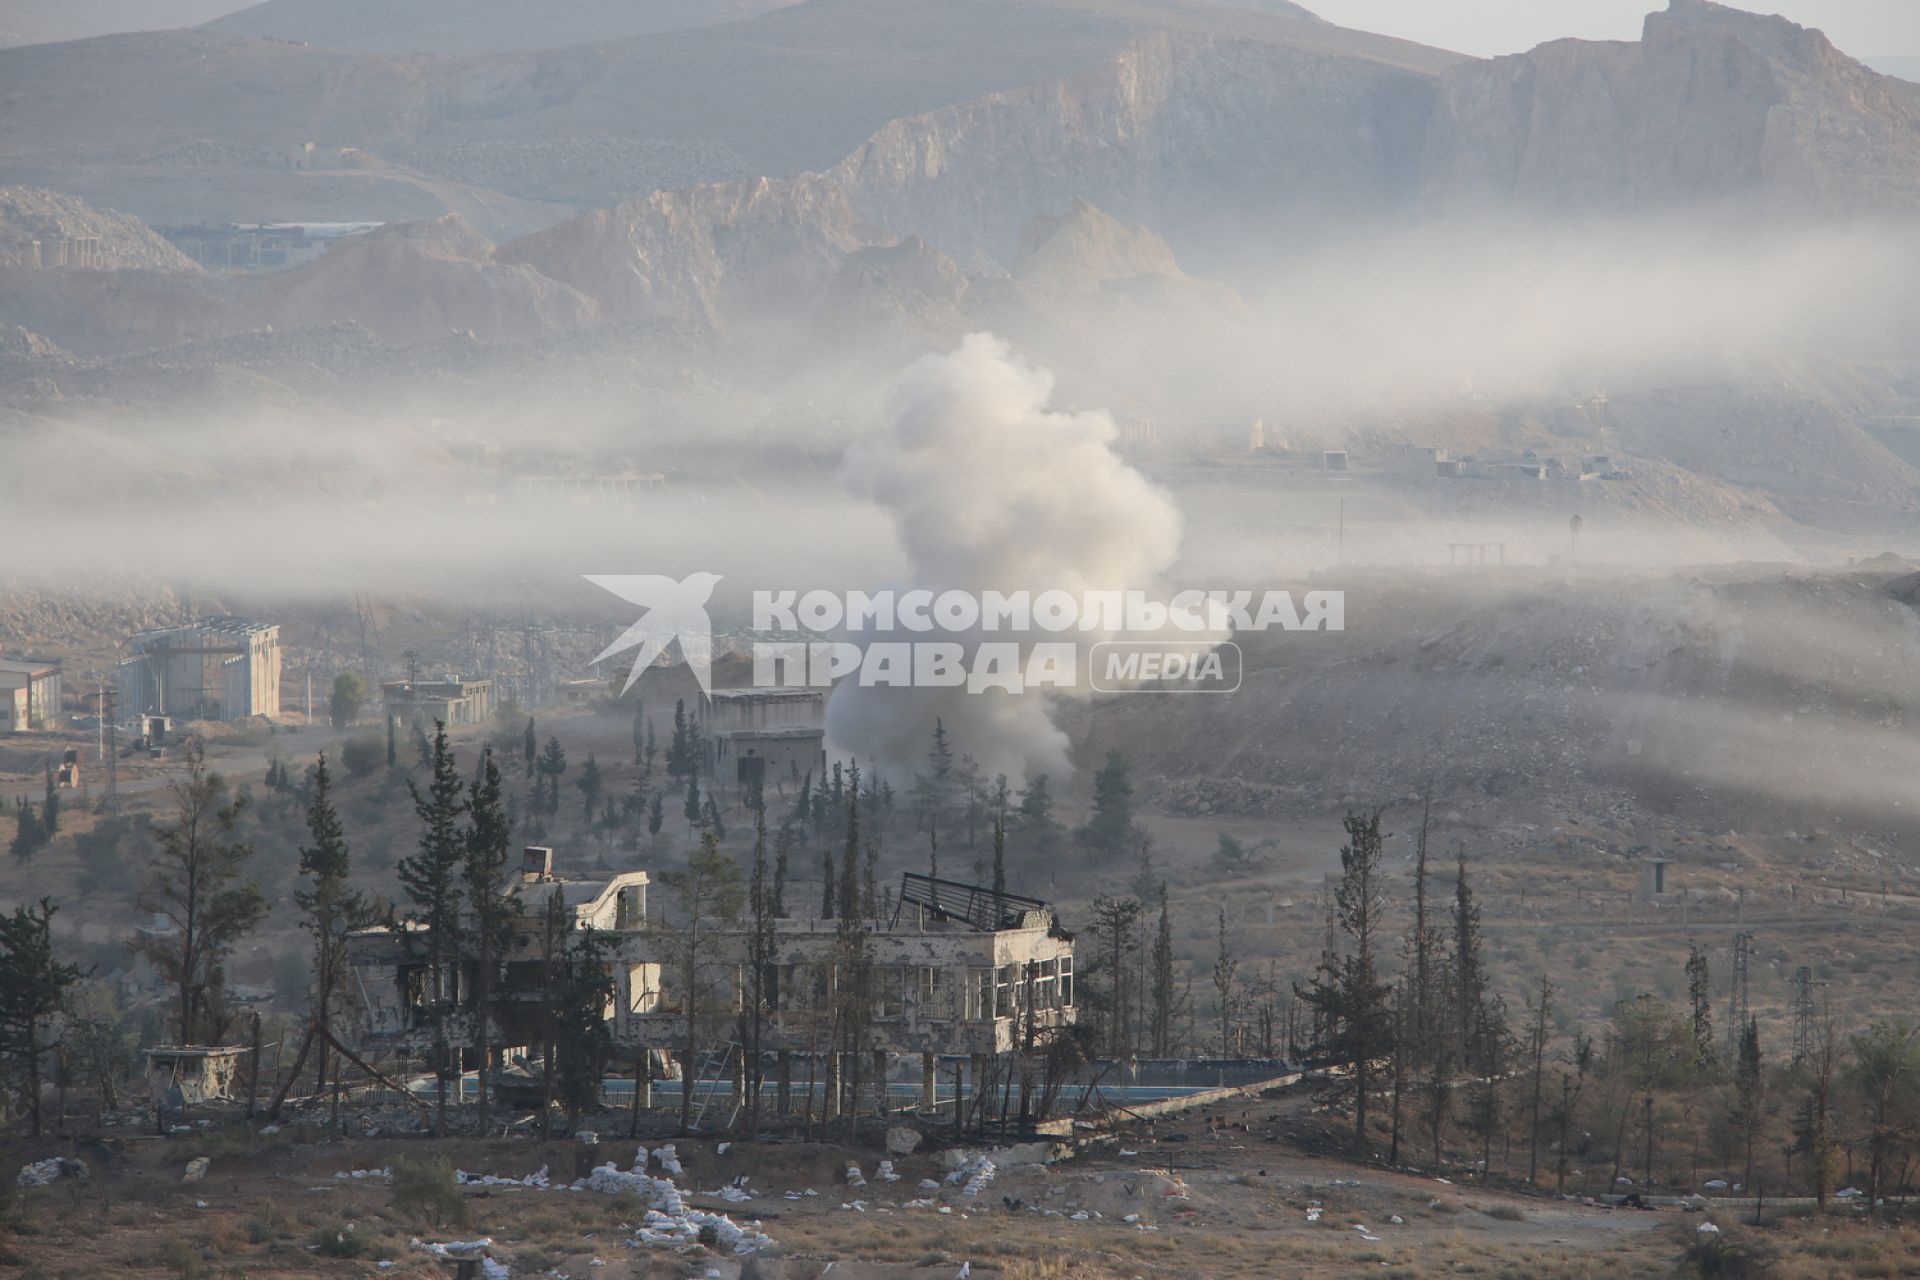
(30, 692)
(1653, 879)
(580, 692)
(180, 1074)
(1334, 459)
(449, 701)
(1416, 460)
(765, 737)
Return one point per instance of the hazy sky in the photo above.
(1863, 28)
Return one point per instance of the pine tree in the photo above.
(639, 733)
(693, 808)
(393, 747)
(1346, 991)
(848, 903)
(711, 817)
(431, 880)
(1109, 830)
(1113, 921)
(485, 878)
(1225, 967)
(680, 747)
(803, 804)
(708, 897)
(329, 907)
(50, 810)
(999, 854)
(828, 887)
(656, 815)
(590, 784)
(530, 747)
(28, 835)
(761, 956)
(33, 988)
(1039, 833)
(782, 848)
(195, 879)
(1160, 1024)
(553, 763)
(1482, 1016)
(870, 883)
(1749, 1107)
(1540, 1008)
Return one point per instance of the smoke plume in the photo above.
(988, 488)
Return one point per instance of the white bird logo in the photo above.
(675, 610)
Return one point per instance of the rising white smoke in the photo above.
(988, 488)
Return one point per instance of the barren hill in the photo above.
(476, 26)
(40, 21)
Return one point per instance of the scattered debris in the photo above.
(44, 1173)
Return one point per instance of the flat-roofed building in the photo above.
(29, 694)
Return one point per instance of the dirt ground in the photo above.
(1207, 1194)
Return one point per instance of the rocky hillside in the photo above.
(411, 283)
(1713, 691)
(1712, 104)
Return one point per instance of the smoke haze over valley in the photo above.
(1577, 358)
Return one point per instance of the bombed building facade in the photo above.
(958, 974)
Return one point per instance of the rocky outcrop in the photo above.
(714, 254)
(415, 283)
(70, 232)
(1712, 105)
(1191, 134)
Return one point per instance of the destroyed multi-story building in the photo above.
(219, 668)
(959, 973)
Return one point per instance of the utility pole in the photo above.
(110, 751)
(1803, 1014)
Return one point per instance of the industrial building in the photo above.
(219, 668)
(449, 700)
(29, 694)
(961, 972)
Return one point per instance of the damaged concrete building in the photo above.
(961, 976)
(219, 668)
(450, 700)
(765, 738)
